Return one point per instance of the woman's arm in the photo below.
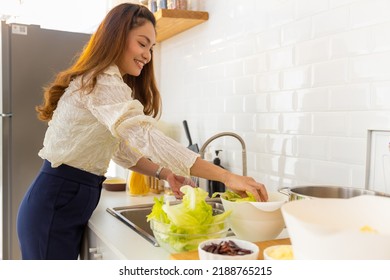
(149, 168)
(203, 169)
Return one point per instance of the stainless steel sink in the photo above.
(135, 217)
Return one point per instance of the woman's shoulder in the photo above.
(112, 70)
(110, 86)
(111, 77)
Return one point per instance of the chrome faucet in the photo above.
(222, 134)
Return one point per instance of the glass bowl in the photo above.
(175, 240)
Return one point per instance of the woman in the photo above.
(102, 108)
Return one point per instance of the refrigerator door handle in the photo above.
(6, 115)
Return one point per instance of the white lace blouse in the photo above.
(88, 130)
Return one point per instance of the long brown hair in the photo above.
(104, 48)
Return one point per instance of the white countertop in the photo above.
(122, 240)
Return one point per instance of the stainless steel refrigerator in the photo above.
(30, 57)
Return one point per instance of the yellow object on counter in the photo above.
(115, 181)
(279, 252)
(367, 228)
(138, 184)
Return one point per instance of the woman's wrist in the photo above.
(224, 177)
(163, 174)
(158, 172)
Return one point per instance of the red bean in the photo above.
(226, 248)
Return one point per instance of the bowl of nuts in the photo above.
(228, 249)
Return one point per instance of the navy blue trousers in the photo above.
(54, 212)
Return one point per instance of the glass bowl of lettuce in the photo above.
(181, 227)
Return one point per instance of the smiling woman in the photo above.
(105, 106)
(102, 107)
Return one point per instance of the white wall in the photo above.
(300, 80)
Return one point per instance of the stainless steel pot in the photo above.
(310, 192)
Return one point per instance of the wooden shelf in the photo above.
(172, 22)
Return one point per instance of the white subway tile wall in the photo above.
(300, 80)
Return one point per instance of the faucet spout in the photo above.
(222, 134)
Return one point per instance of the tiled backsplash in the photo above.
(302, 81)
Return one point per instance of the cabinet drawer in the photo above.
(94, 248)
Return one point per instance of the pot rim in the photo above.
(290, 190)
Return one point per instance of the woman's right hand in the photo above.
(176, 182)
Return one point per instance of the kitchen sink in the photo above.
(135, 217)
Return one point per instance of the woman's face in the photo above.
(138, 52)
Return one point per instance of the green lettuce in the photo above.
(183, 226)
(232, 196)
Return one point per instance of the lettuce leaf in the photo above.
(157, 212)
(186, 224)
(232, 196)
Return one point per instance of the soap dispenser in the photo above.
(215, 186)
(217, 160)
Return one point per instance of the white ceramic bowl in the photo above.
(257, 221)
(257, 210)
(278, 252)
(252, 230)
(274, 202)
(204, 255)
(327, 228)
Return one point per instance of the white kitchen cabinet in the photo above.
(94, 248)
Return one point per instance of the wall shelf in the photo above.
(172, 22)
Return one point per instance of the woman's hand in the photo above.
(241, 184)
(237, 183)
(176, 182)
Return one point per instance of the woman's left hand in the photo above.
(243, 184)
